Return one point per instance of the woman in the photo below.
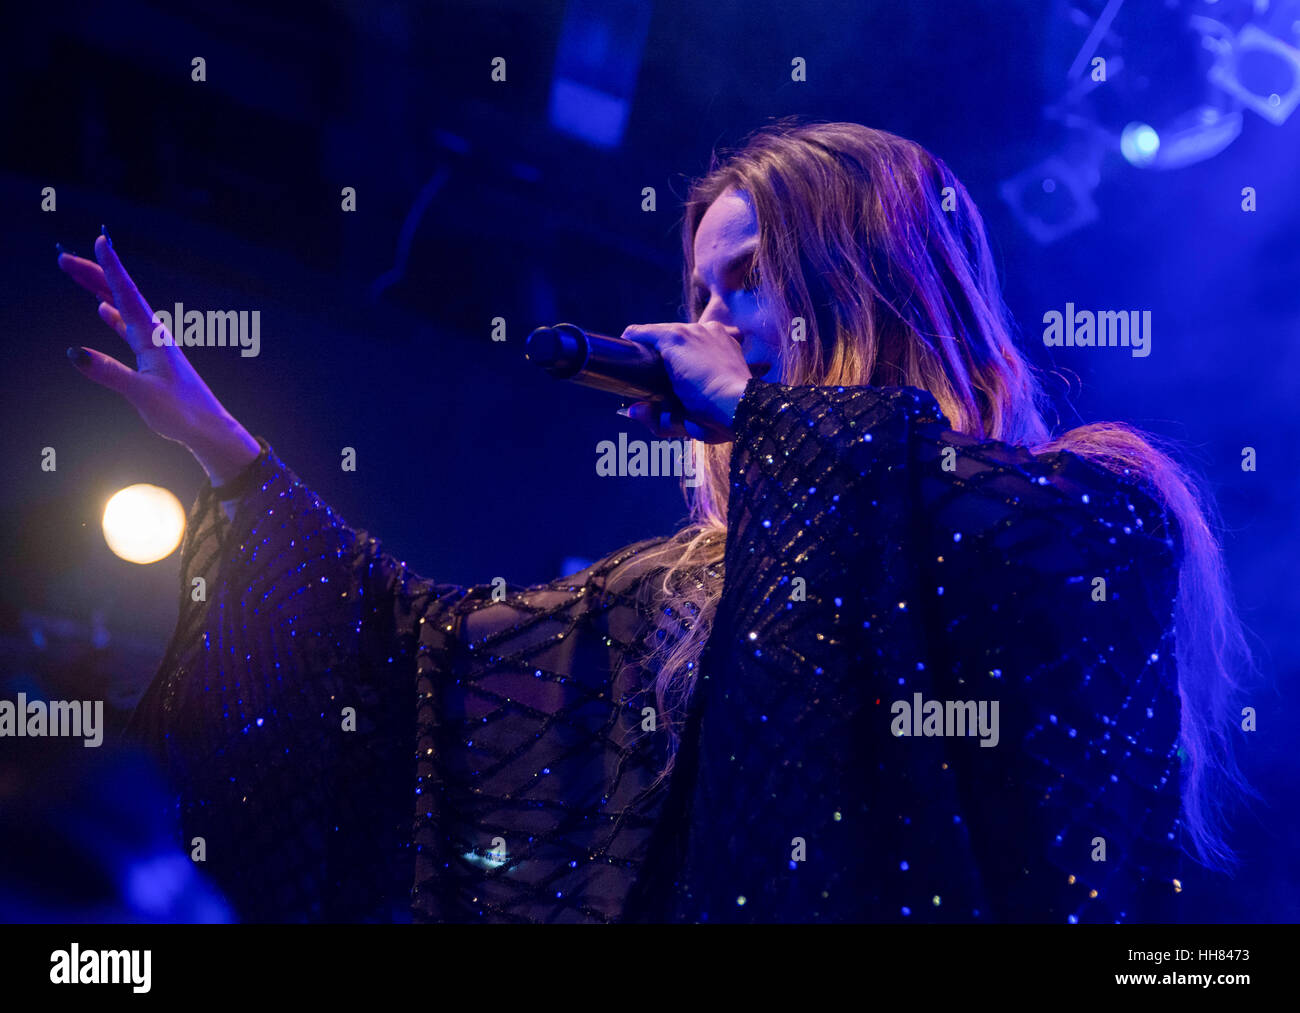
(913, 659)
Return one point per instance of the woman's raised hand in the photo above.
(170, 396)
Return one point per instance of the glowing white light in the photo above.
(143, 523)
(1139, 143)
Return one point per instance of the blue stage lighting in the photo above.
(596, 66)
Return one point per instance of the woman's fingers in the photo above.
(87, 274)
(109, 314)
(662, 420)
(670, 425)
(92, 278)
(105, 371)
(126, 297)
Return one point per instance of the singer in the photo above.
(701, 726)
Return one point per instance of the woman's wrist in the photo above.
(729, 402)
(224, 451)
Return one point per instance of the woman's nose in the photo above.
(716, 310)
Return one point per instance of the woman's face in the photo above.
(725, 244)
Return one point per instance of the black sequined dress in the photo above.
(354, 742)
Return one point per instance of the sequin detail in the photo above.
(960, 570)
(355, 742)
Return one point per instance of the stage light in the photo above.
(1261, 71)
(1198, 134)
(1053, 198)
(1139, 143)
(1163, 87)
(143, 523)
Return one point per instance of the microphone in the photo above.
(627, 368)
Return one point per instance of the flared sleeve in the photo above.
(1058, 583)
(284, 706)
(349, 741)
(910, 708)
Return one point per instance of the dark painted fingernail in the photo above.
(79, 356)
(104, 229)
(59, 247)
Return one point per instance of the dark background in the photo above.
(473, 204)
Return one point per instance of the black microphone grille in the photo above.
(556, 349)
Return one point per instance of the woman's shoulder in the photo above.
(969, 484)
(1003, 485)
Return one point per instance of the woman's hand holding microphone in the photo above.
(708, 372)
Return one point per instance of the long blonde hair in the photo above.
(885, 256)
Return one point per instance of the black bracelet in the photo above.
(237, 486)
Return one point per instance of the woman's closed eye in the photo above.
(749, 286)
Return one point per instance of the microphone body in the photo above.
(627, 368)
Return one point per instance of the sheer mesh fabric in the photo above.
(354, 742)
